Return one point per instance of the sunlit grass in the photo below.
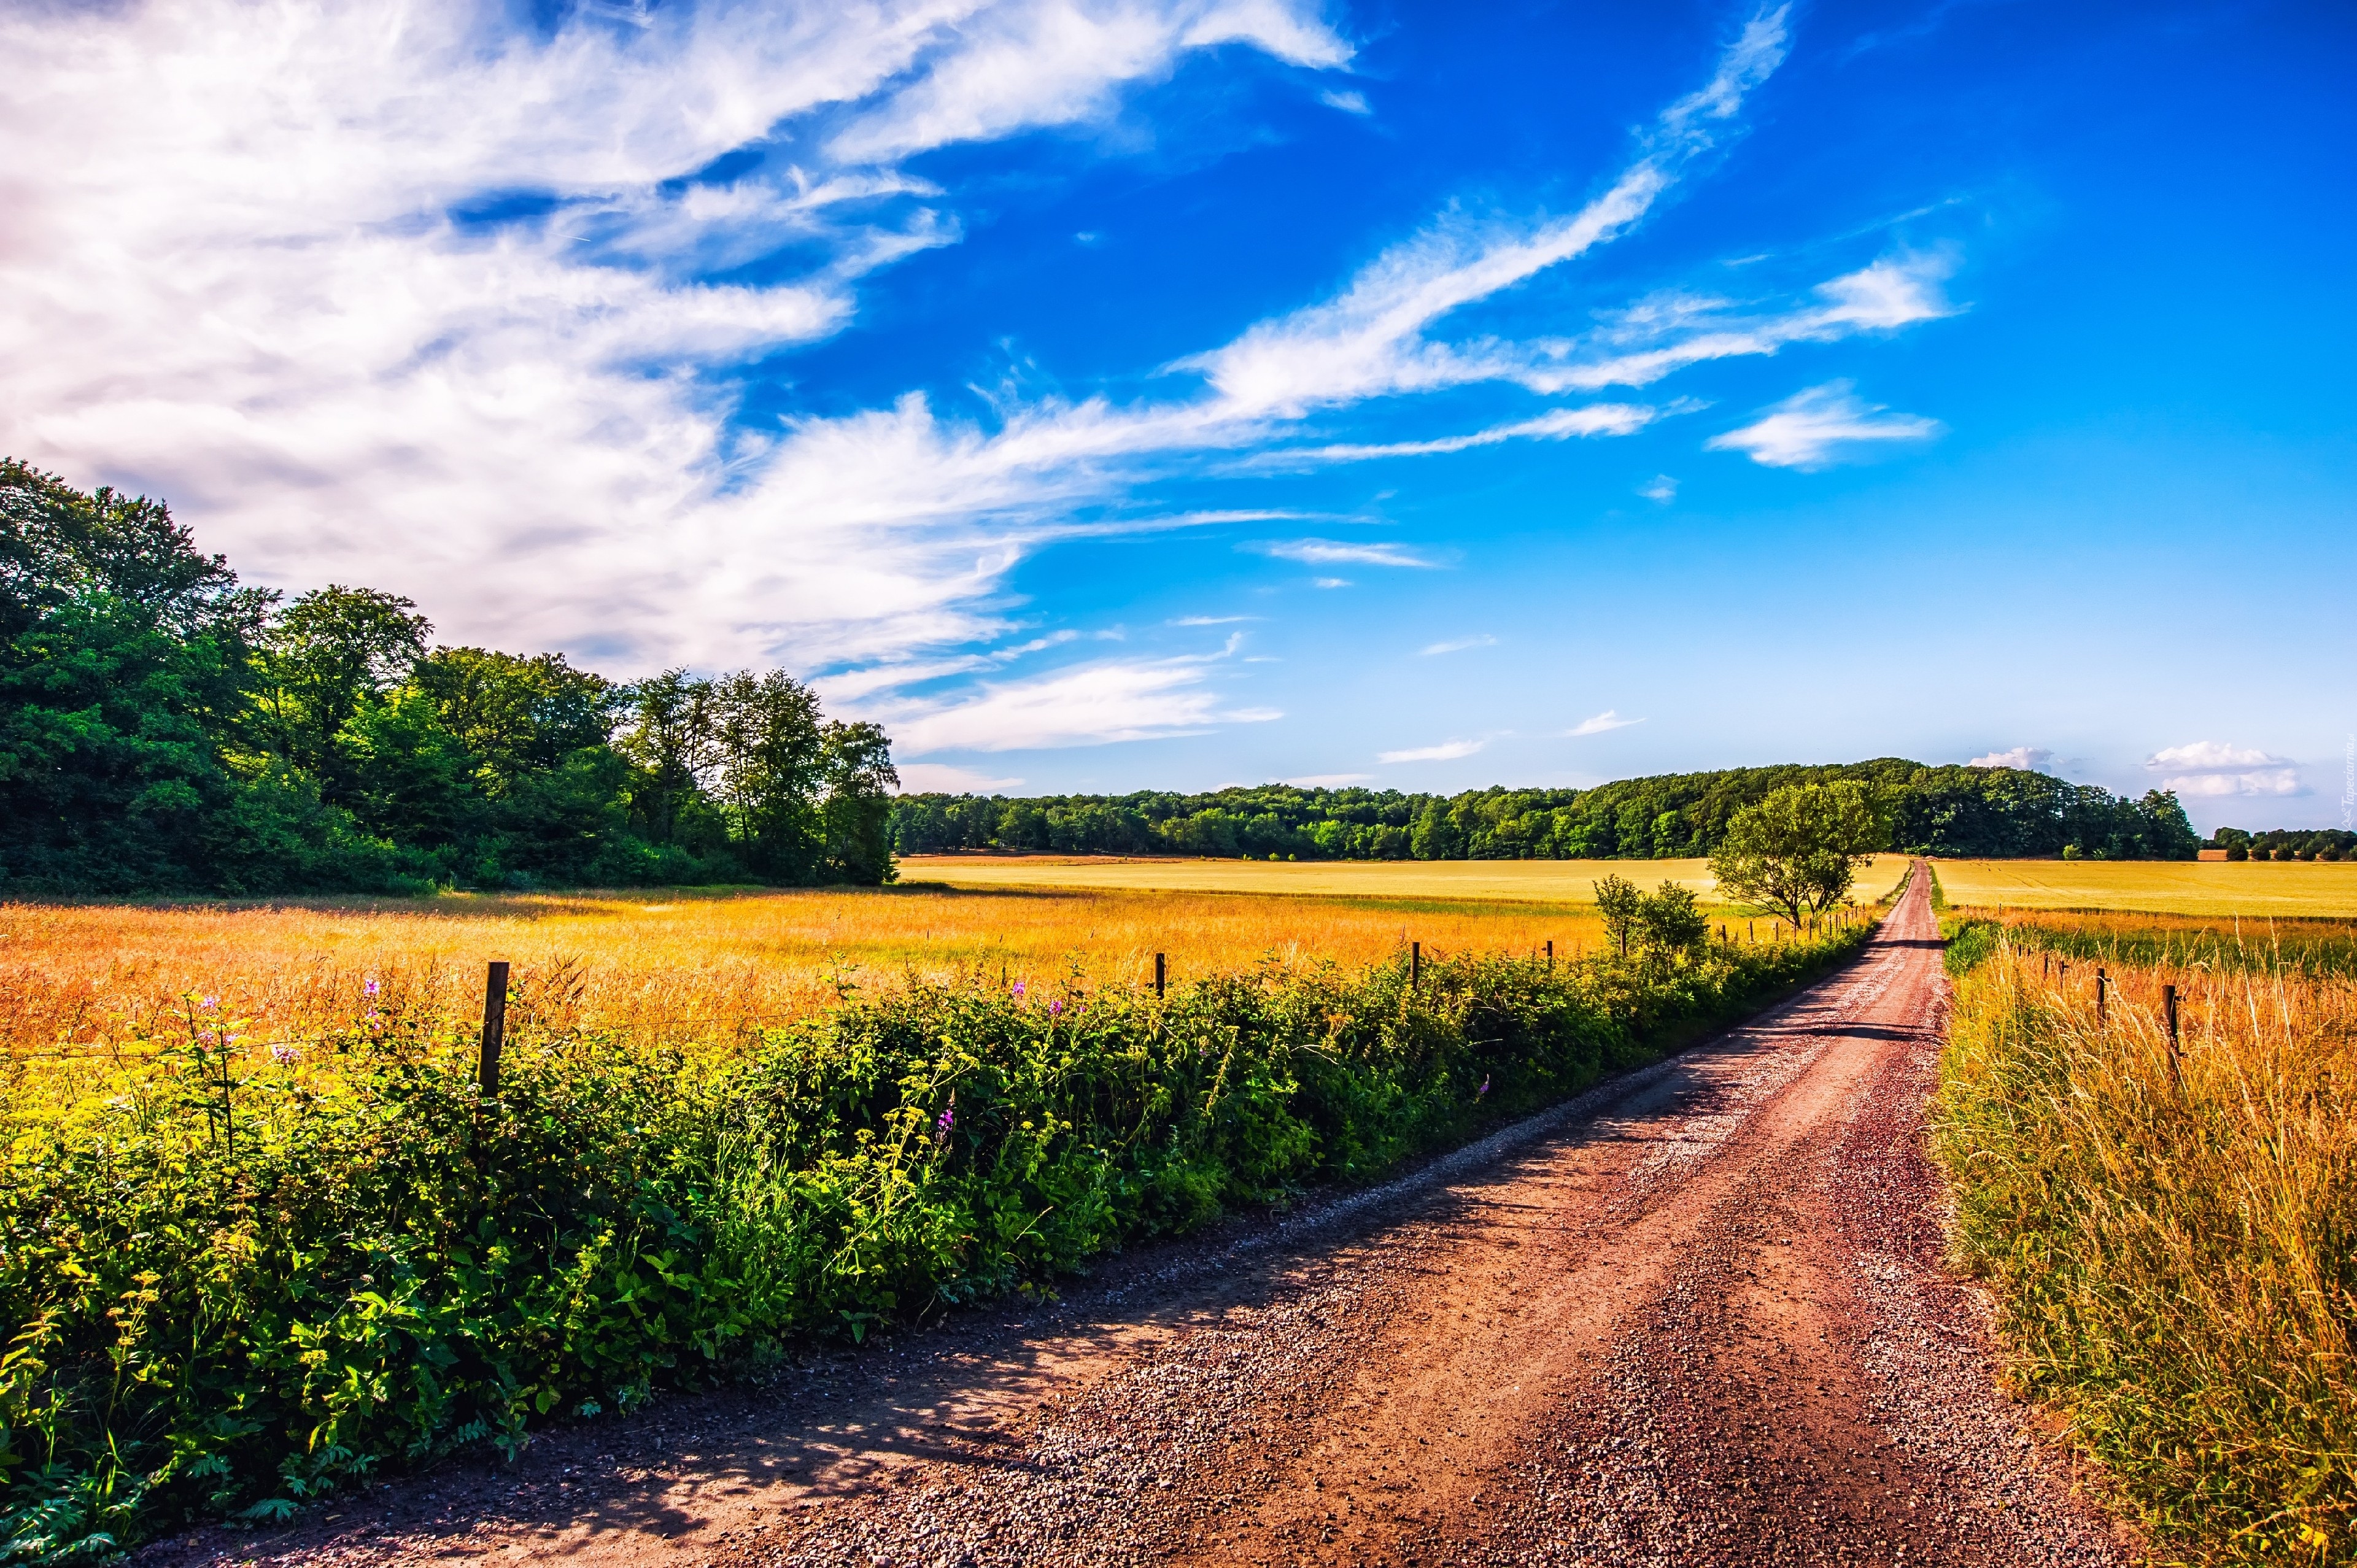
(2169, 1233)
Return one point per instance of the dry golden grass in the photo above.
(2170, 1231)
(668, 965)
(1545, 881)
(2253, 890)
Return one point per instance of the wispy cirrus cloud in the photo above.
(1823, 425)
(1607, 720)
(1457, 645)
(940, 778)
(1596, 419)
(1336, 552)
(2214, 769)
(1087, 704)
(1447, 751)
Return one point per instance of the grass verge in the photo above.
(2171, 1232)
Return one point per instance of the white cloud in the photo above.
(1597, 419)
(1348, 102)
(2213, 768)
(940, 778)
(2033, 759)
(1447, 751)
(2212, 755)
(1661, 488)
(1607, 720)
(1088, 704)
(1328, 552)
(1370, 340)
(1459, 645)
(1820, 426)
(1054, 62)
(240, 277)
(1330, 581)
(1664, 334)
(1328, 780)
(1212, 620)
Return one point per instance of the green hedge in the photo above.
(233, 1293)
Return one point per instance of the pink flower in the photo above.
(282, 1055)
(370, 989)
(1018, 988)
(1055, 1008)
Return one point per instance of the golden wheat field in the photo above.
(670, 964)
(1544, 881)
(2314, 889)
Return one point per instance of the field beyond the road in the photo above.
(674, 964)
(1533, 881)
(2318, 889)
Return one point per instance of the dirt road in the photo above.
(1698, 1316)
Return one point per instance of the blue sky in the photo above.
(1179, 393)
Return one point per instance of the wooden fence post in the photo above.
(1158, 974)
(1415, 964)
(495, 1028)
(2103, 983)
(1550, 952)
(2168, 1012)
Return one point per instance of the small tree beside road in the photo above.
(1664, 924)
(1798, 850)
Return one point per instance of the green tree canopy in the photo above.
(162, 727)
(1798, 850)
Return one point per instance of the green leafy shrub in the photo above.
(233, 1286)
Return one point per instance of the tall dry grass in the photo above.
(2171, 1234)
(668, 966)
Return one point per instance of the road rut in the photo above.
(1696, 1317)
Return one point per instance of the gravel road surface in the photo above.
(1696, 1317)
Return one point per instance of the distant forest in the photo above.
(2286, 844)
(1949, 811)
(163, 728)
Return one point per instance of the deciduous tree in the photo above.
(1798, 850)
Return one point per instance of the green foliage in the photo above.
(2286, 844)
(1798, 850)
(162, 728)
(1931, 810)
(1971, 943)
(244, 1287)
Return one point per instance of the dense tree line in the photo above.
(2286, 844)
(163, 726)
(1949, 810)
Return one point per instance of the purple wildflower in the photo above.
(1055, 1006)
(369, 989)
(210, 1002)
(282, 1055)
(1484, 1088)
(1018, 988)
(945, 1121)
